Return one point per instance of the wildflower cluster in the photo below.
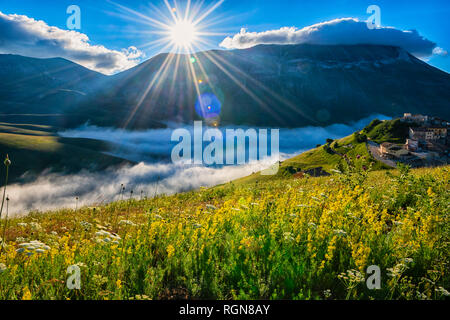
(277, 239)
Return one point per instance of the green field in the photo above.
(286, 238)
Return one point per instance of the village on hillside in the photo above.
(428, 143)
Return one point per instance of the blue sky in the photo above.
(103, 24)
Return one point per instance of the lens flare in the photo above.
(208, 106)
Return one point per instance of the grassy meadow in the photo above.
(328, 157)
(48, 150)
(285, 238)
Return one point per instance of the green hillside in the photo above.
(393, 131)
(35, 148)
(327, 157)
(282, 239)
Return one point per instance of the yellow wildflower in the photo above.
(26, 294)
(170, 251)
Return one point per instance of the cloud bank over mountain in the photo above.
(33, 38)
(344, 31)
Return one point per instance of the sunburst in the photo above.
(184, 30)
(183, 33)
(179, 28)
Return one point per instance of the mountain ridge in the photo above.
(266, 85)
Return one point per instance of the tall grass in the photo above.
(309, 238)
(7, 163)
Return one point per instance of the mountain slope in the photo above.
(267, 85)
(273, 85)
(43, 86)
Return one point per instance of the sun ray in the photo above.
(181, 30)
(155, 22)
(208, 12)
(186, 11)
(195, 10)
(172, 85)
(195, 79)
(205, 75)
(242, 86)
(289, 104)
(147, 90)
(170, 8)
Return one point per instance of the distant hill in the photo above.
(267, 85)
(34, 149)
(43, 87)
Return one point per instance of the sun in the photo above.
(182, 27)
(183, 33)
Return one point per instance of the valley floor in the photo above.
(286, 238)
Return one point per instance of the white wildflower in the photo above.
(103, 236)
(442, 291)
(327, 293)
(312, 225)
(127, 222)
(421, 296)
(288, 236)
(340, 232)
(86, 225)
(35, 226)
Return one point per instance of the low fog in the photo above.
(155, 173)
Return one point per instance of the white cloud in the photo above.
(155, 173)
(440, 52)
(344, 31)
(29, 37)
(55, 191)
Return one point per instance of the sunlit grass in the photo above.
(279, 239)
